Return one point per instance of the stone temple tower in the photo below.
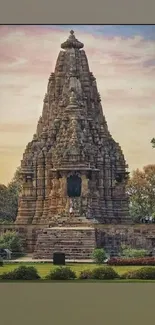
(72, 170)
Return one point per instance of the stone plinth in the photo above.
(110, 237)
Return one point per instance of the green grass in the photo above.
(44, 268)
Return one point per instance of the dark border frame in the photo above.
(69, 303)
(79, 12)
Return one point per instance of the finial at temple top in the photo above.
(72, 42)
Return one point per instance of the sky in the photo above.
(121, 57)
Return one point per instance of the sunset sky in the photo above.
(122, 58)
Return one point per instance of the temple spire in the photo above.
(71, 135)
(72, 42)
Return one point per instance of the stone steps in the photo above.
(68, 255)
(76, 243)
(63, 242)
(80, 235)
(66, 247)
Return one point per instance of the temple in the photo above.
(73, 171)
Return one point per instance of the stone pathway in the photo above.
(29, 259)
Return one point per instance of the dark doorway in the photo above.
(73, 186)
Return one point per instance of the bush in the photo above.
(131, 261)
(1, 262)
(130, 252)
(104, 273)
(61, 273)
(12, 241)
(145, 273)
(21, 273)
(7, 276)
(85, 275)
(99, 255)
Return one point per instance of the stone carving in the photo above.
(72, 137)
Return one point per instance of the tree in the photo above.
(141, 190)
(12, 241)
(14, 189)
(153, 143)
(4, 211)
(9, 198)
(99, 255)
(16, 180)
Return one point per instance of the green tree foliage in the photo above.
(99, 255)
(9, 199)
(4, 211)
(141, 190)
(12, 241)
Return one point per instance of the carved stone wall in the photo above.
(136, 236)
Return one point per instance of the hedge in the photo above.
(131, 261)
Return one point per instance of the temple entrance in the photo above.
(74, 186)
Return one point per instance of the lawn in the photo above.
(44, 268)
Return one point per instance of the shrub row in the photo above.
(128, 252)
(99, 273)
(65, 273)
(131, 261)
(60, 273)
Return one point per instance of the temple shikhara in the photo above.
(73, 171)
